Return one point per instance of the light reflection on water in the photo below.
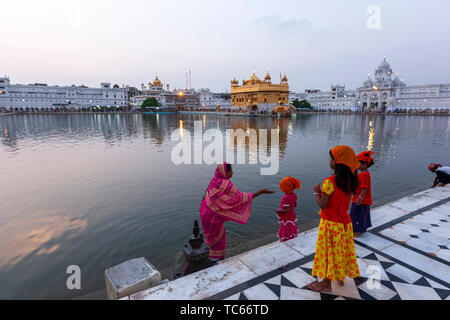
(96, 190)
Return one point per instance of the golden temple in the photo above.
(260, 95)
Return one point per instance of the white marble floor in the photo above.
(395, 282)
(428, 232)
(406, 256)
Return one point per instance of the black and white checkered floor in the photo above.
(409, 256)
(428, 232)
(397, 282)
(405, 256)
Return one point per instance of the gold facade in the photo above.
(255, 91)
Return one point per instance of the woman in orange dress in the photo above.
(335, 257)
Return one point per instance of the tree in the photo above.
(296, 103)
(149, 102)
(304, 104)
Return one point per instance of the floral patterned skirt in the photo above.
(335, 257)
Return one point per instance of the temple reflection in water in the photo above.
(99, 189)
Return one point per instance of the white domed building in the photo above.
(388, 93)
(383, 92)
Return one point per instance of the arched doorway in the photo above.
(364, 107)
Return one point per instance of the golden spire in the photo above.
(157, 82)
(253, 79)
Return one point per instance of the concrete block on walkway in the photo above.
(130, 277)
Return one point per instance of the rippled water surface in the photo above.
(96, 190)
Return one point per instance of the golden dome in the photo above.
(157, 82)
(254, 78)
(284, 79)
(267, 78)
(234, 81)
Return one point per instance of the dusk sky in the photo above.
(128, 42)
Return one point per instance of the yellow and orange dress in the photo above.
(335, 257)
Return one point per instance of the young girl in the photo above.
(286, 214)
(335, 257)
(362, 200)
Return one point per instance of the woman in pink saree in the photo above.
(224, 202)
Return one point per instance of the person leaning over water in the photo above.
(335, 257)
(224, 202)
(442, 174)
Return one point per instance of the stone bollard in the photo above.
(196, 254)
(130, 277)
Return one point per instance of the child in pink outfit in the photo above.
(286, 211)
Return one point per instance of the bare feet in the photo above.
(340, 283)
(356, 234)
(322, 286)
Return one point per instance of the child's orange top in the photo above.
(364, 182)
(338, 203)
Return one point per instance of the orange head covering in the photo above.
(366, 156)
(289, 184)
(346, 156)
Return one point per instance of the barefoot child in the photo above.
(362, 199)
(286, 214)
(335, 257)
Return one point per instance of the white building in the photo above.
(210, 99)
(155, 90)
(296, 96)
(167, 98)
(181, 99)
(42, 97)
(388, 93)
(206, 98)
(335, 99)
(385, 93)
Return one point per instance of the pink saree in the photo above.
(223, 202)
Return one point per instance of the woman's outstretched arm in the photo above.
(262, 191)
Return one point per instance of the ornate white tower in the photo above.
(383, 74)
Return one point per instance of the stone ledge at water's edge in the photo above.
(408, 247)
